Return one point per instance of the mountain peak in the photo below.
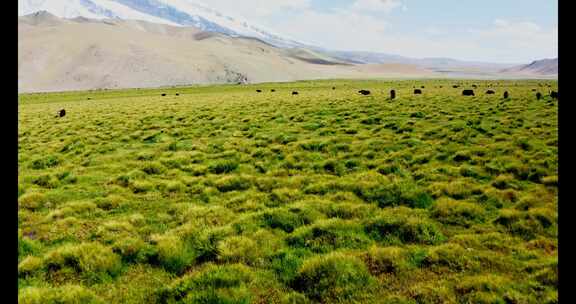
(42, 13)
(548, 66)
(41, 17)
(545, 61)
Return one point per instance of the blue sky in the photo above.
(507, 31)
(425, 12)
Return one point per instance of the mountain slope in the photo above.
(56, 54)
(171, 12)
(538, 67)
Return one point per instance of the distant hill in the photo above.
(431, 63)
(81, 53)
(538, 67)
(56, 54)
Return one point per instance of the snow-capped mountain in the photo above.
(171, 12)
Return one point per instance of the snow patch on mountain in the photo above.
(94, 9)
(60, 8)
(172, 12)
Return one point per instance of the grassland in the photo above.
(225, 195)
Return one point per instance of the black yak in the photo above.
(417, 91)
(294, 93)
(259, 91)
(364, 92)
(61, 113)
(554, 94)
(163, 94)
(490, 92)
(506, 95)
(392, 94)
(538, 96)
(468, 92)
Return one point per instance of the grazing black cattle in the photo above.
(163, 94)
(177, 94)
(272, 90)
(506, 95)
(333, 88)
(455, 86)
(554, 94)
(474, 86)
(468, 92)
(294, 93)
(259, 91)
(89, 98)
(422, 87)
(490, 92)
(440, 86)
(61, 113)
(538, 96)
(364, 92)
(417, 91)
(392, 94)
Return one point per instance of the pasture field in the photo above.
(226, 195)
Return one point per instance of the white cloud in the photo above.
(433, 30)
(377, 5)
(257, 8)
(342, 29)
(420, 46)
(517, 38)
(362, 27)
(505, 28)
(503, 41)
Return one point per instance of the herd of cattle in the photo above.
(466, 92)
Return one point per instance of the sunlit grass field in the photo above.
(226, 195)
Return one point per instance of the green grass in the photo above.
(225, 195)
